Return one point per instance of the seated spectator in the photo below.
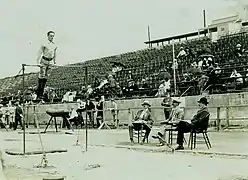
(182, 54)
(144, 83)
(186, 77)
(142, 117)
(246, 76)
(213, 79)
(199, 121)
(239, 50)
(164, 74)
(132, 89)
(164, 88)
(200, 63)
(217, 69)
(89, 91)
(238, 78)
(103, 83)
(203, 82)
(194, 65)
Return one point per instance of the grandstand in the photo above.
(147, 63)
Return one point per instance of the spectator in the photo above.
(246, 76)
(90, 107)
(164, 88)
(186, 77)
(239, 50)
(217, 69)
(182, 54)
(89, 91)
(2, 119)
(164, 74)
(203, 82)
(18, 115)
(114, 112)
(238, 79)
(132, 89)
(167, 102)
(81, 106)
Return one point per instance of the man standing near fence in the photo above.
(18, 115)
(46, 55)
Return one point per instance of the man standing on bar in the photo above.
(46, 55)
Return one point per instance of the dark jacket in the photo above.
(201, 119)
(99, 107)
(18, 112)
(90, 106)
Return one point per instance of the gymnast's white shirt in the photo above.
(49, 49)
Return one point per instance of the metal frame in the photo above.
(23, 106)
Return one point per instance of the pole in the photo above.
(149, 36)
(86, 124)
(24, 123)
(174, 67)
(204, 18)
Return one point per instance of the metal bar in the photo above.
(86, 123)
(174, 68)
(23, 119)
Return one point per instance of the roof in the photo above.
(203, 31)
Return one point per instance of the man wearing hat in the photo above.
(176, 115)
(197, 122)
(18, 115)
(146, 117)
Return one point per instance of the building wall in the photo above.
(188, 103)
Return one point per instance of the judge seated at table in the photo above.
(199, 121)
(142, 118)
(176, 115)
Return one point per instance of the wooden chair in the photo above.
(203, 131)
(139, 133)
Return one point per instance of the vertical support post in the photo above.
(103, 108)
(86, 123)
(149, 36)
(227, 116)
(218, 119)
(204, 18)
(23, 119)
(174, 68)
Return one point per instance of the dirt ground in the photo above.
(110, 156)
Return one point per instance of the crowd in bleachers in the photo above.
(202, 65)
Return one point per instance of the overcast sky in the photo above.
(94, 28)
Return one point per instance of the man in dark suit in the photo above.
(90, 107)
(199, 121)
(145, 117)
(18, 115)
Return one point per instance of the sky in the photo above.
(94, 28)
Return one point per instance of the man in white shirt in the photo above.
(46, 55)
